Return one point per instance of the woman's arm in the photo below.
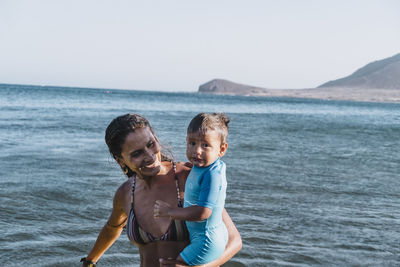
(233, 246)
(111, 230)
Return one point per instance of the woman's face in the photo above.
(141, 153)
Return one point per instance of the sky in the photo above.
(177, 45)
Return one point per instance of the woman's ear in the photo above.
(222, 149)
(120, 161)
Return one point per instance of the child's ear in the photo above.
(223, 149)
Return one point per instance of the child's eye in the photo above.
(192, 143)
(205, 145)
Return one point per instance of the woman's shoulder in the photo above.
(183, 166)
(123, 192)
(183, 169)
(125, 186)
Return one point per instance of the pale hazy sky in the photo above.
(177, 45)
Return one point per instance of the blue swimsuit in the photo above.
(206, 187)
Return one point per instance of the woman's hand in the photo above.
(174, 263)
(171, 263)
(161, 209)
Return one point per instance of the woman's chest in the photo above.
(144, 200)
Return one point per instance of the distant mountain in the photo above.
(379, 74)
(219, 86)
(378, 81)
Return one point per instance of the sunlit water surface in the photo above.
(309, 182)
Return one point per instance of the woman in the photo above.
(134, 145)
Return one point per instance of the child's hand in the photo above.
(161, 209)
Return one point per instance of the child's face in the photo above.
(204, 148)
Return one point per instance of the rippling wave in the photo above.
(309, 182)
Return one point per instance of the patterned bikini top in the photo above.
(176, 231)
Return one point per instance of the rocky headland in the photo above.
(378, 81)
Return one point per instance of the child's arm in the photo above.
(192, 213)
(210, 188)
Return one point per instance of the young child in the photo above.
(205, 190)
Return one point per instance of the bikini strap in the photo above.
(133, 190)
(180, 204)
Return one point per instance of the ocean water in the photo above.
(310, 182)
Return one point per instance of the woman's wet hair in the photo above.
(203, 122)
(120, 127)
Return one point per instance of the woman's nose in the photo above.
(149, 156)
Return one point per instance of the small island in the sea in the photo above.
(378, 81)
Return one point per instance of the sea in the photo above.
(310, 182)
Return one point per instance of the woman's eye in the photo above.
(151, 144)
(135, 154)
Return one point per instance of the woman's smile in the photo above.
(153, 165)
